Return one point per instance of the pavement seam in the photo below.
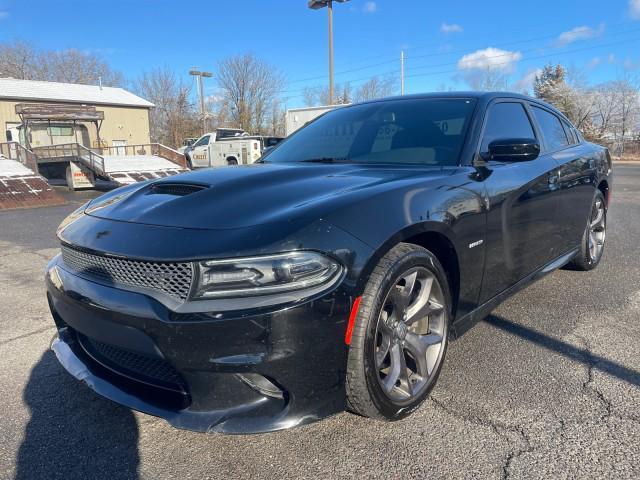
(24, 335)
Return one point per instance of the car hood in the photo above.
(236, 197)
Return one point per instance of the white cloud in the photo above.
(525, 84)
(579, 33)
(450, 28)
(594, 62)
(629, 64)
(370, 7)
(3, 14)
(489, 58)
(634, 9)
(611, 58)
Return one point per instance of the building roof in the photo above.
(11, 88)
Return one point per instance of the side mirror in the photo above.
(514, 149)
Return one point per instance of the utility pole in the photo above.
(401, 72)
(330, 9)
(315, 5)
(199, 79)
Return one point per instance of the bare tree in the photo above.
(277, 121)
(173, 117)
(628, 112)
(24, 61)
(376, 87)
(19, 60)
(604, 108)
(486, 80)
(310, 96)
(249, 86)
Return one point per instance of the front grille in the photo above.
(173, 279)
(155, 371)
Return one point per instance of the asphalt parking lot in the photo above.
(548, 386)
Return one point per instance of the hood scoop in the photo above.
(175, 189)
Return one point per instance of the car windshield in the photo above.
(403, 131)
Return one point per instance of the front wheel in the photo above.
(400, 335)
(592, 245)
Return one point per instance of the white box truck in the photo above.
(298, 117)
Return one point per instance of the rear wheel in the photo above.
(400, 335)
(592, 245)
(232, 161)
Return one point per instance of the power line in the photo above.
(538, 57)
(300, 92)
(453, 52)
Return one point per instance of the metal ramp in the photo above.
(121, 165)
(20, 185)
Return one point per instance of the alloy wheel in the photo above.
(410, 335)
(596, 230)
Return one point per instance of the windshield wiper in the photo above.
(326, 160)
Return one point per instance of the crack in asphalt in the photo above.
(24, 335)
(588, 385)
(499, 429)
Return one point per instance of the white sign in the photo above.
(78, 176)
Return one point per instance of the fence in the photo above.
(15, 151)
(74, 150)
(148, 149)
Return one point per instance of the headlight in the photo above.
(251, 276)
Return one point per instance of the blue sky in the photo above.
(443, 41)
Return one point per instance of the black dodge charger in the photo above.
(331, 274)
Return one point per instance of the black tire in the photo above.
(232, 161)
(365, 390)
(586, 260)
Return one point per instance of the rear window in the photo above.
(554, 135)
(572, 136)
(407, 131)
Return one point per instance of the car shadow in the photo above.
(583, 355)
(72, 432)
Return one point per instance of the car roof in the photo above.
(484, 96)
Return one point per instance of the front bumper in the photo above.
(224, 372)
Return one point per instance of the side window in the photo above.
(571, 133)
(506, 120)
(551, 127)
(203, 141)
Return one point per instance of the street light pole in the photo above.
(401, 72)
(330, 9)
(315, 5)
(199, 79)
